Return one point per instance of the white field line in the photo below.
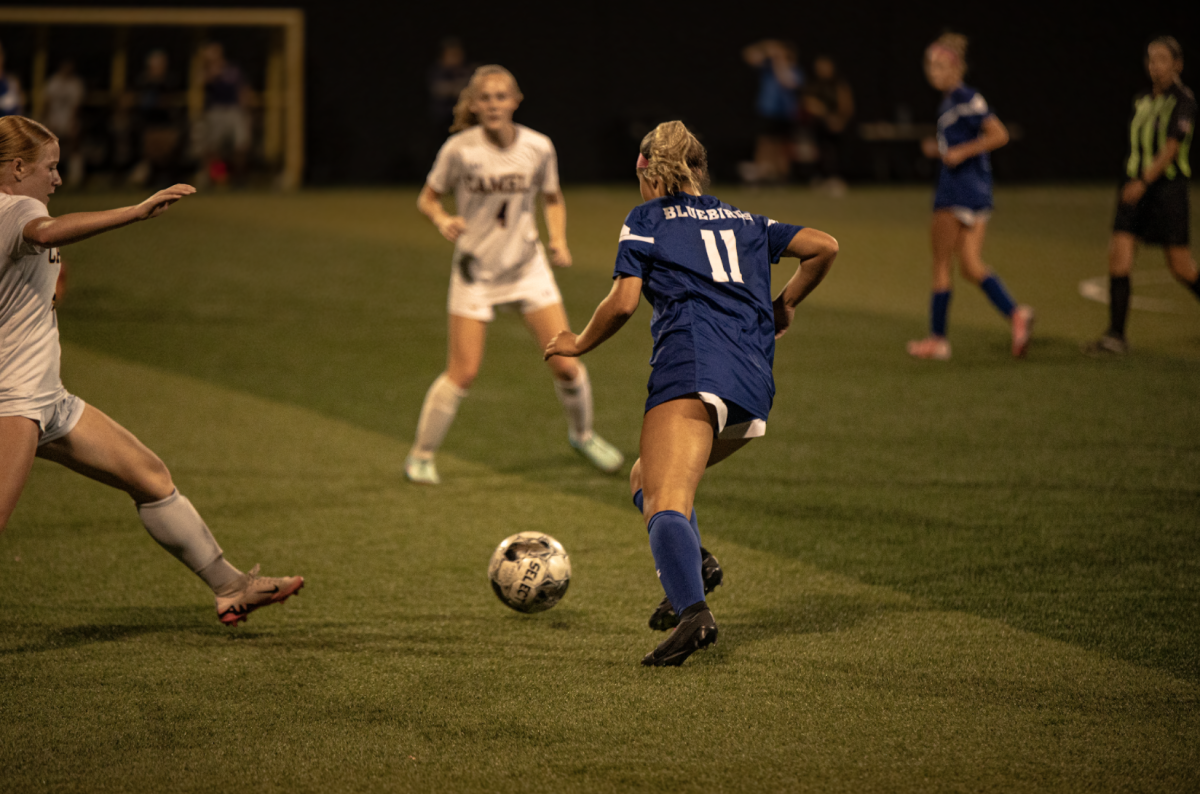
(1096, 289)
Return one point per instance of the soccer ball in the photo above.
(530, 571)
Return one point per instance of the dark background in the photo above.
(596, 77)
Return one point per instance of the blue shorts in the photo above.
(738, 378)
(969, 190)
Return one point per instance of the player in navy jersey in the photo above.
(705, 267)
(967, 132)
(1153, 202)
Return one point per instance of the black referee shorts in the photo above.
(1161, 217)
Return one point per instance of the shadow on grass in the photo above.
(169, 621)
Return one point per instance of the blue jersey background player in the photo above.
(967, 132)
(704, 266)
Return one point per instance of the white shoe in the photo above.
(423, 471)
(603, 455)
(257, 591)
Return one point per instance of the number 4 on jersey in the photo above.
(502, 216)
(714, 257)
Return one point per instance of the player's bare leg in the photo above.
(467, 338)
(18, 439)
(677, 441)
(944, 233)
(1121, 248)
(103, 450)
(973, 268)
(574, 389)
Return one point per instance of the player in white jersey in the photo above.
(39, 418)
(496, 169)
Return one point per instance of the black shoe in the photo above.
(697, 630)
(664, 617)
(1107, 346)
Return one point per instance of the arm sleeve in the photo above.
(1183, 119)
(635, 247)
(12, 227)
(444, 173)
(778, 237)
(550, 171)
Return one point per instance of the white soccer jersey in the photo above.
(29, 349)
(495, 189)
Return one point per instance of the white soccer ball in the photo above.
(530, 571)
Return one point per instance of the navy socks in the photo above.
(939, 307)
(998, 295)
(676, 549)
(637, 502)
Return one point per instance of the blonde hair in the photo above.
(954, 43)
(23, 138)
(676, 158)
(464, 117)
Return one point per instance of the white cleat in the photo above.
(603, 455)
(422, 471)
(257, 591)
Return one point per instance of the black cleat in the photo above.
(664, 617)
(697, 630)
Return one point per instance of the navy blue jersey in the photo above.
(960, 120)
(706, 269)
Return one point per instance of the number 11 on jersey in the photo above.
(714, 257)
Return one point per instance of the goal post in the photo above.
(283, 92)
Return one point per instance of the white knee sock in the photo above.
(177, 527)
(576, 398)
(437, 414)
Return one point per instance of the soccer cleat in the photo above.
(1106, 346)
(257, 591)
(1022, 327)
(423, 471)
(603, 455)
(697, 630)
(933, 348)
(664, 616)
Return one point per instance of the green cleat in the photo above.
(421, 471)
(603, 455)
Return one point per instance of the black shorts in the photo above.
(1161, 217)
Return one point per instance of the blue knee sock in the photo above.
(939, 307)
(676, 551)
(998, 295)
(637, 501)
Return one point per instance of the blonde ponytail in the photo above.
(676, 158)
(464, 117)
(23, 138)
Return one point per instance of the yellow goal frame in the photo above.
(283, 97)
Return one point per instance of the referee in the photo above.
(1153, 203)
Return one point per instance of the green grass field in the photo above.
(974, 576)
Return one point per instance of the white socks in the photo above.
(576, 398)
(179, 529)
(437, 414)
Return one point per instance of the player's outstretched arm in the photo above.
(430, 205)
(619, 305)
(816, 251)
(67, 229)
(556, 223)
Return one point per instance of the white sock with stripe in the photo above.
(437, 414)
(576, 398)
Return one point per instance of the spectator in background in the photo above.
(828, 105)
(64, 93)
(224, 135)
(11, 98)
(779, 80)
(157, 105)
(447, 78)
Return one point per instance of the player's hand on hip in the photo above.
(783, 316)
(1133, 191)
(564, 343)
(452, 227)
(159, 203)
(954, 156)
(560, 255)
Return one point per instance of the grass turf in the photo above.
(976, 576)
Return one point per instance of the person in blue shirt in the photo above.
(705, 268)
(967, 131)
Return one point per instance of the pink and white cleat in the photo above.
(933, 348)
(1022, 327)
(257, 591)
